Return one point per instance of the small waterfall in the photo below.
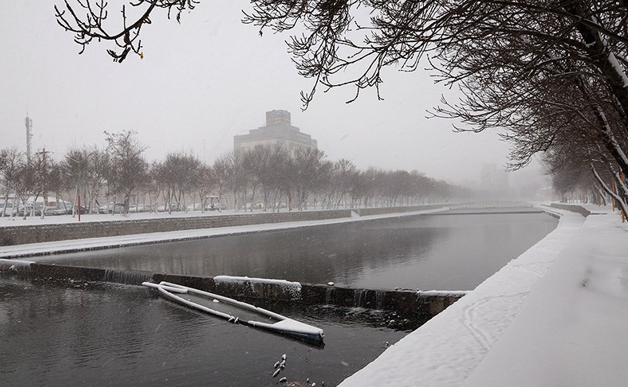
(126, 277)
(368, 298)
(329, 293)
(380, 296)
(359, 298)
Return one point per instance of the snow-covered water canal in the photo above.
(437, 251)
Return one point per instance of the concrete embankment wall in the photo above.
(17, 235)
(407, 303)
(572, 207)
(54, 232)
(389, 210)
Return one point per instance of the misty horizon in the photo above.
(210, 78)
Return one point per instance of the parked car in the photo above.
(111, 208)
(9, 211)
(29, 209)
(215, 207)
(64, 208)
(49, 211)
(137, 207)
(255, 206)
(173, 206)
(61, 208)
(195, 207)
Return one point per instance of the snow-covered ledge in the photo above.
(448, 348)
(290, 287)
(14, 265)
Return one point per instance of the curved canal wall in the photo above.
(572, 207)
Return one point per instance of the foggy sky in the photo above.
(205, 80)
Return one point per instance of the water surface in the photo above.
(445, 252)
(120, 335)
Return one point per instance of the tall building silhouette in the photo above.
(277, 133)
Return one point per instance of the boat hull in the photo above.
(238, 312)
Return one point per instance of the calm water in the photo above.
(444, 252)
(115, 335)
(125, 336)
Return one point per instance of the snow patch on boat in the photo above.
(14, 265)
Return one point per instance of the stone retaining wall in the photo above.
(17, 235)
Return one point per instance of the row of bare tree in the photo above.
(263, 178)
(82, 173)
(550, 75)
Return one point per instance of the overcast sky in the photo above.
(206, 80)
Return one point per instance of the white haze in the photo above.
(207, 79)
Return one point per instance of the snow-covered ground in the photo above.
(555, 316)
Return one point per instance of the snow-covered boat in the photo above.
(238, 311)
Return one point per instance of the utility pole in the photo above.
(29, 135)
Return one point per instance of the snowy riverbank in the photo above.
(555, 316)
(72, 245)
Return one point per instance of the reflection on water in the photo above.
(125, 336)
(454, 252)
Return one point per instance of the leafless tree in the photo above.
(87, 19)
(265, 168)
(11, 164)
(85, 171)
(236, 177)
(255, 164)
(128, 165)
(307, 174)
(221, 174)
(532, 68)
(179, 175)
(340, 182)
(203, 183)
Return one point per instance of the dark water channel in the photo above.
(443, 252)
(118, 335)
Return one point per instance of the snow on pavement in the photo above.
(555, 316)
(572, 328)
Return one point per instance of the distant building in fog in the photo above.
(278, 132)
